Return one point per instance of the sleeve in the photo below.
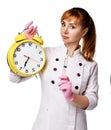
(92, 88)
(16, 78)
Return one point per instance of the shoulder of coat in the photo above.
(88, 63)
(55, 50)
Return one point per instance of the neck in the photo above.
(71, 49)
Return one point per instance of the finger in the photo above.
(34, 30)
(30, 30)
(63, 87)
(62, 82)
(28, 25)
(64, 77)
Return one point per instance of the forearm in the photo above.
(17, 79)
(81, 101)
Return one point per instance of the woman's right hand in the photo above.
(65, 86)
(30, 30)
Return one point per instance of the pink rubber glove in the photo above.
(66, 87)
(30, 30)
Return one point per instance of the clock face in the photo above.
(29, 57)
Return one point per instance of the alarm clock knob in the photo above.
(38, 39)
(20, 37)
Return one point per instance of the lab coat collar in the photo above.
(76, 52)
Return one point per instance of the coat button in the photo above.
(53, 82)
(55, 69)
(76, 87)
(57, 59)
(78, 74)
(80, 64)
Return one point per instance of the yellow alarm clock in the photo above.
(26, 57)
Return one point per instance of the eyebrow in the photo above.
(74, 24)
(71, 22)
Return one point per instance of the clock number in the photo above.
(41, 59)
(20, 68)
(18, 49)
(40, 52)
(26, 71)
(36, 46)
(15, 55)
(38, 65)
(23, 44)
(16, 62)
(33, 69)
(30, 43)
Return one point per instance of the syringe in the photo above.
(65, 65)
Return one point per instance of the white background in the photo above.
(19, 103)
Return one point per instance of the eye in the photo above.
(62, 24)
(72, 26)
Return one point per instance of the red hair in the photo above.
(86, 21)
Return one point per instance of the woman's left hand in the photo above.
(66, 87)
(30, 30)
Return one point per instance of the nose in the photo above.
(66, 30)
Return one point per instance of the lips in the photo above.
(65, 37)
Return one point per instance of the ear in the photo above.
(84, 32)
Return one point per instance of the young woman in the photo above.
(71, 87)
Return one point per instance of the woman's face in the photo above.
(71, 31)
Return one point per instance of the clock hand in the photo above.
(34, 59)
(31, 58)
(26, 61)
(26, 56)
